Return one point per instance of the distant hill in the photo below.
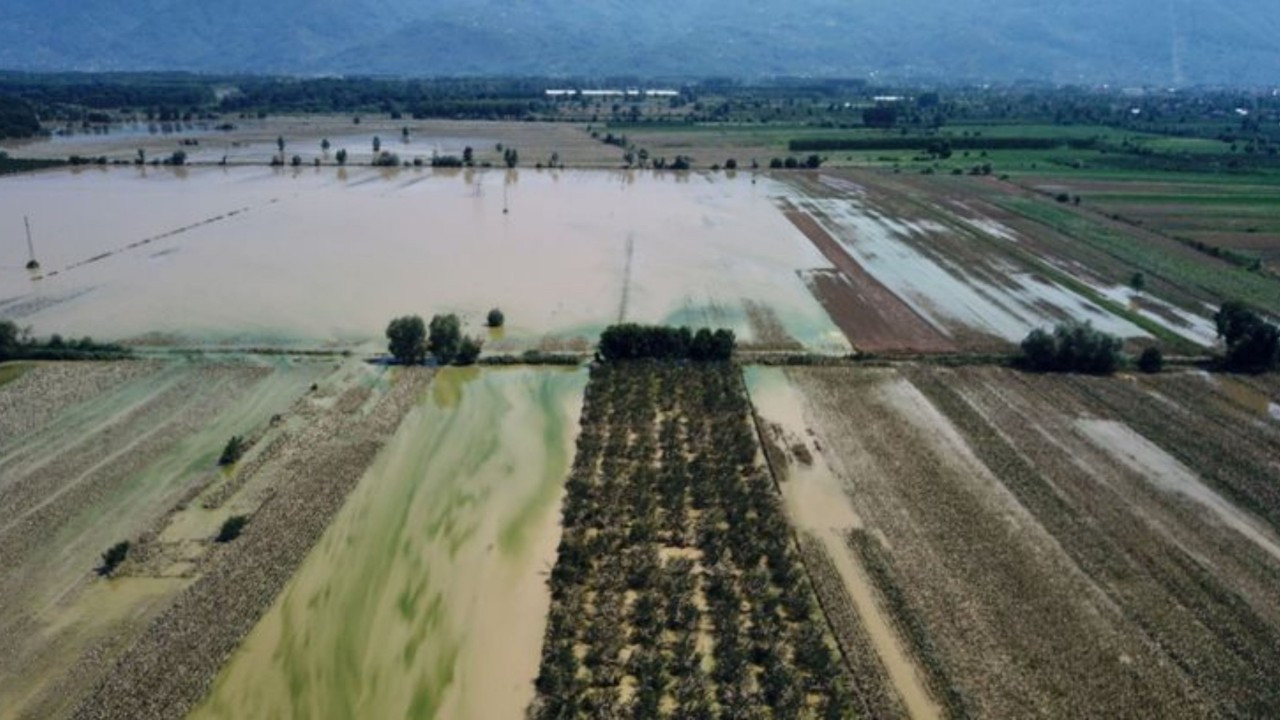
(1173, 42)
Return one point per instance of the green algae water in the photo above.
(426, 597)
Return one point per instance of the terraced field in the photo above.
(1118, 552)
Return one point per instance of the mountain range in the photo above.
(1162, 42)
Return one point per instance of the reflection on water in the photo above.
(326, 256)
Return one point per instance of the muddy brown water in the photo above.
(328, 256)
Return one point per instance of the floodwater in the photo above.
(328, 256)
(818, 503)
(1169, 475)
(991, 297)
(427, 596)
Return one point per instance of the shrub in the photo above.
(386, 159)
(232, 451)
(407, 340)
(445, 338)
(1151, 360)
(112, 558)
(496, 318)
(231, 528)
(1073, 347)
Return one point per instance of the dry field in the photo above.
(1049, 546)
(98, 453)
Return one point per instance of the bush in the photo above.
(445, 338)
(232, 451)
(231, 528)
(407, 340)
(1252, 344)
(496, 319)
(386, 159)
(1073, 347)
(112, 558)
(1151, 360)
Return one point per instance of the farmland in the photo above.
(864, 512)
(97, 453)
(1113, 561)
(677, 574)
(432, 572)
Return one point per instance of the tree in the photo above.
(231, 528)
(1151, 360)
(468, 351)
(112, 558)
(324, 145)
(511, 157)
(232, 451)
(377, 144)
(1138, 282)
(1252, 344)
(342, 156)
(495, 319)
(296, 161)
(280, 144)
(406, 340)
(404, 134)
(731, 164)
(881, 116)
(468, 156)
(9, 338)
(445, 337)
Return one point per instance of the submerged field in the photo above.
(1118, 552)
(326, 257)
(426, 597)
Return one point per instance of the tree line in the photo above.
(410, 340)
(1250, 344)
(18, 344)
(630, 341)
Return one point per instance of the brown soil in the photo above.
(869, 314)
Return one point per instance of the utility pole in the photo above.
(32, 264)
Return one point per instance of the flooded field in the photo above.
(1119, 552)
(907, 261)
(92, 454)
(327, 256)
(427, 595)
